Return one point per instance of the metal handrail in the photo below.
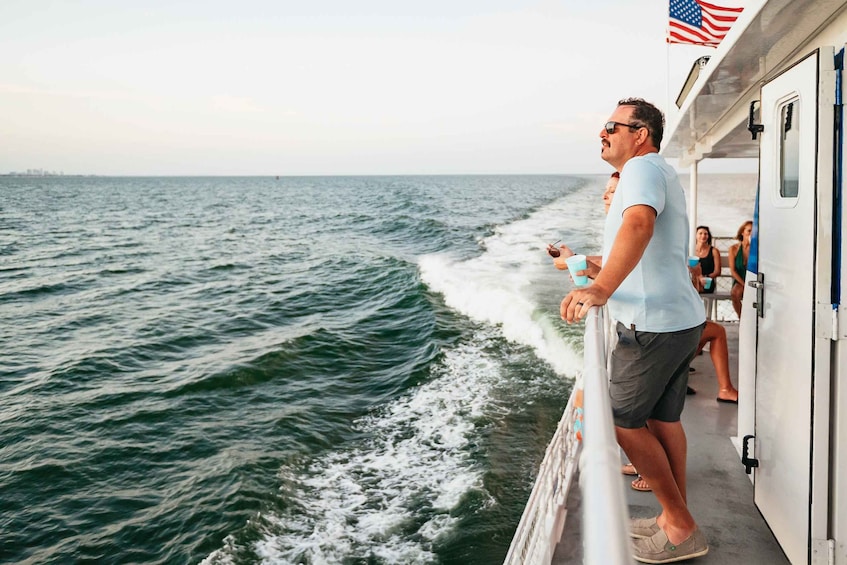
(588, 413)
(605, 512)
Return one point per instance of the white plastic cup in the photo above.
(693, 261)
(707, 283)
(577, 263)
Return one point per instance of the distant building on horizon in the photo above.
(36, 173)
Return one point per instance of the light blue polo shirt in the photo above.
(657, 296)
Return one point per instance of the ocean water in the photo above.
(295, 370)
(725, 201)
(301, 370)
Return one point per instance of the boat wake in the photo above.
(391, 495)
(419, 467)
(513, 286)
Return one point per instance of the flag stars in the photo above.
(687, 11)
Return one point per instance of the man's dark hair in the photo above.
(648, 115)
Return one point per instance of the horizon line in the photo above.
(274, 176)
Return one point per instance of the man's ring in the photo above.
(579, 303)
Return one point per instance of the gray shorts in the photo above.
(649, 375)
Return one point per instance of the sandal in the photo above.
(629, 469)
(640, 485)
(731, 392)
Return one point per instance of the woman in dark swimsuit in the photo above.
(710, 258)
(738, 255)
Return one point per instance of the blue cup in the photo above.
(577, 263)
(693, 261)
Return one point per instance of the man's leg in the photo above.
(649, 374)
(672, 438)
(653, 459)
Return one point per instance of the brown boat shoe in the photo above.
(658, 549)
(643, 527)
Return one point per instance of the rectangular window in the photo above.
(789, 162)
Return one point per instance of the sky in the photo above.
(325, 87)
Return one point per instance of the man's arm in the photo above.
(632, 239)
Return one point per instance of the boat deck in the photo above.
(719, 491)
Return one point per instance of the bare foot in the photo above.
(727, 395)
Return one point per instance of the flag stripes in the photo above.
(698, 22)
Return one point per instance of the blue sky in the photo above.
(324, 87)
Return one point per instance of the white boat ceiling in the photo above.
(766, 39)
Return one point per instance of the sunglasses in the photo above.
(610, 126)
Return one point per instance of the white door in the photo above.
(794, 324)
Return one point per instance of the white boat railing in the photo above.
(605, 516)
(544, 515)
(605, 537)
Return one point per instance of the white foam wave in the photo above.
(391, 497)
(504, 285)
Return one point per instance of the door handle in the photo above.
(749, 462)
(752, 126)
(759, 285)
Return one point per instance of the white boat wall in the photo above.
(772, 91)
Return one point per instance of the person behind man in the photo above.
(738, 255)
(710, 259)
(644, 278)
(609, 193)
(561, 253)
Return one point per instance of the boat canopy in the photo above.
(763, 42)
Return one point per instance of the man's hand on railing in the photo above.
(576, 304)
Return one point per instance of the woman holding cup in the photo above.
(709, 258)
(583, 267)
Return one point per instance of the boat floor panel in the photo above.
(720, 492)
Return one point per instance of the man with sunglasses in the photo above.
(646, 283)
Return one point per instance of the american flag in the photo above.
(699, 23)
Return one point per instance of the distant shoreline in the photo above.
(32, 176)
